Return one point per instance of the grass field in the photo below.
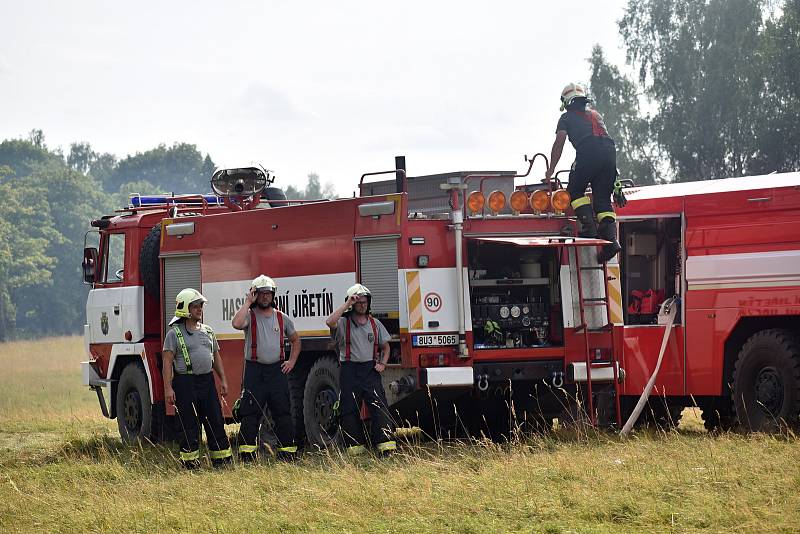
(62, 468)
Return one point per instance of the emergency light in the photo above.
(539, 201)
(138, 201)
(240, 182)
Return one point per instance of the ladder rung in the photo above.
(593, 303)
(592, 268)
(595, 299)
(606, 328)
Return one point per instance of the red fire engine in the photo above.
(490, 299)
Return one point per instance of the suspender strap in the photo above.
(253, 336)
(375, 336)
(184, 349)
(591, 116)
(347, 340)
(281, 352)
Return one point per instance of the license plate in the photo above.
(434, 340)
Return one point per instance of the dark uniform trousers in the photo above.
(596, 164)
(265, 388)
(360, 381)
(197, 403)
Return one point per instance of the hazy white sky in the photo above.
(336, 88)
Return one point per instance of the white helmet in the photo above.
(264, 282)
(183, 300)
(571, 92)
(358, 290)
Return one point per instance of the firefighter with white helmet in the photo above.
(595, 164)
(363, 348)
(265, 385)
(190, 353)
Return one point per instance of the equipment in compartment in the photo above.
(651, 266)
(510, 297)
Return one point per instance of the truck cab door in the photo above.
(114, 306)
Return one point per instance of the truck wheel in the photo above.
(766, 380)
(148, 261)
(135, 414)
(274, 193)
(320, 397)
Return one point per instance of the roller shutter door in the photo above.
(379, 273)
(180, 272)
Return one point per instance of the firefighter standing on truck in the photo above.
(363, 347)
(595, 164)
(191, 350)
(265, 385)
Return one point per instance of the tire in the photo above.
(148, 261)
(274, 193)
(319, 397)
(766, 381)
(137, 419)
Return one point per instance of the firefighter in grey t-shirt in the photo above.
(363, 347)
(265, 385)
(191, 351)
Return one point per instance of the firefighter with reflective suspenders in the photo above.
(363, 347)
(595, 164)
(191, 351)
(265, 385)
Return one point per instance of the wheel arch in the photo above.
(123, 354)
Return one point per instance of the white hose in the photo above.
(670, 307)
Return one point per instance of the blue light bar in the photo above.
(138, 201)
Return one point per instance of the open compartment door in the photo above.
(522, 289)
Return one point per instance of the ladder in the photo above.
(608, 328)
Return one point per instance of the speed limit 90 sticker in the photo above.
(432, 302)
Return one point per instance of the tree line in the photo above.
(48, 199)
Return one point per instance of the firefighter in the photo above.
(595, 164)
(191, 351)
(363, 347)
(265, 385)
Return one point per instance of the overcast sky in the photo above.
(336, 88)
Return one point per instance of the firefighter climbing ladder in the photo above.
(608, 328)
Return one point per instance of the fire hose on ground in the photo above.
(669, 309)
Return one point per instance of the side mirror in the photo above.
(89, 265)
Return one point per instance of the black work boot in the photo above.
(191, 465)
(221, 463)
(585, 216)
(607, 229)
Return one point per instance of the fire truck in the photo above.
(500, 316)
